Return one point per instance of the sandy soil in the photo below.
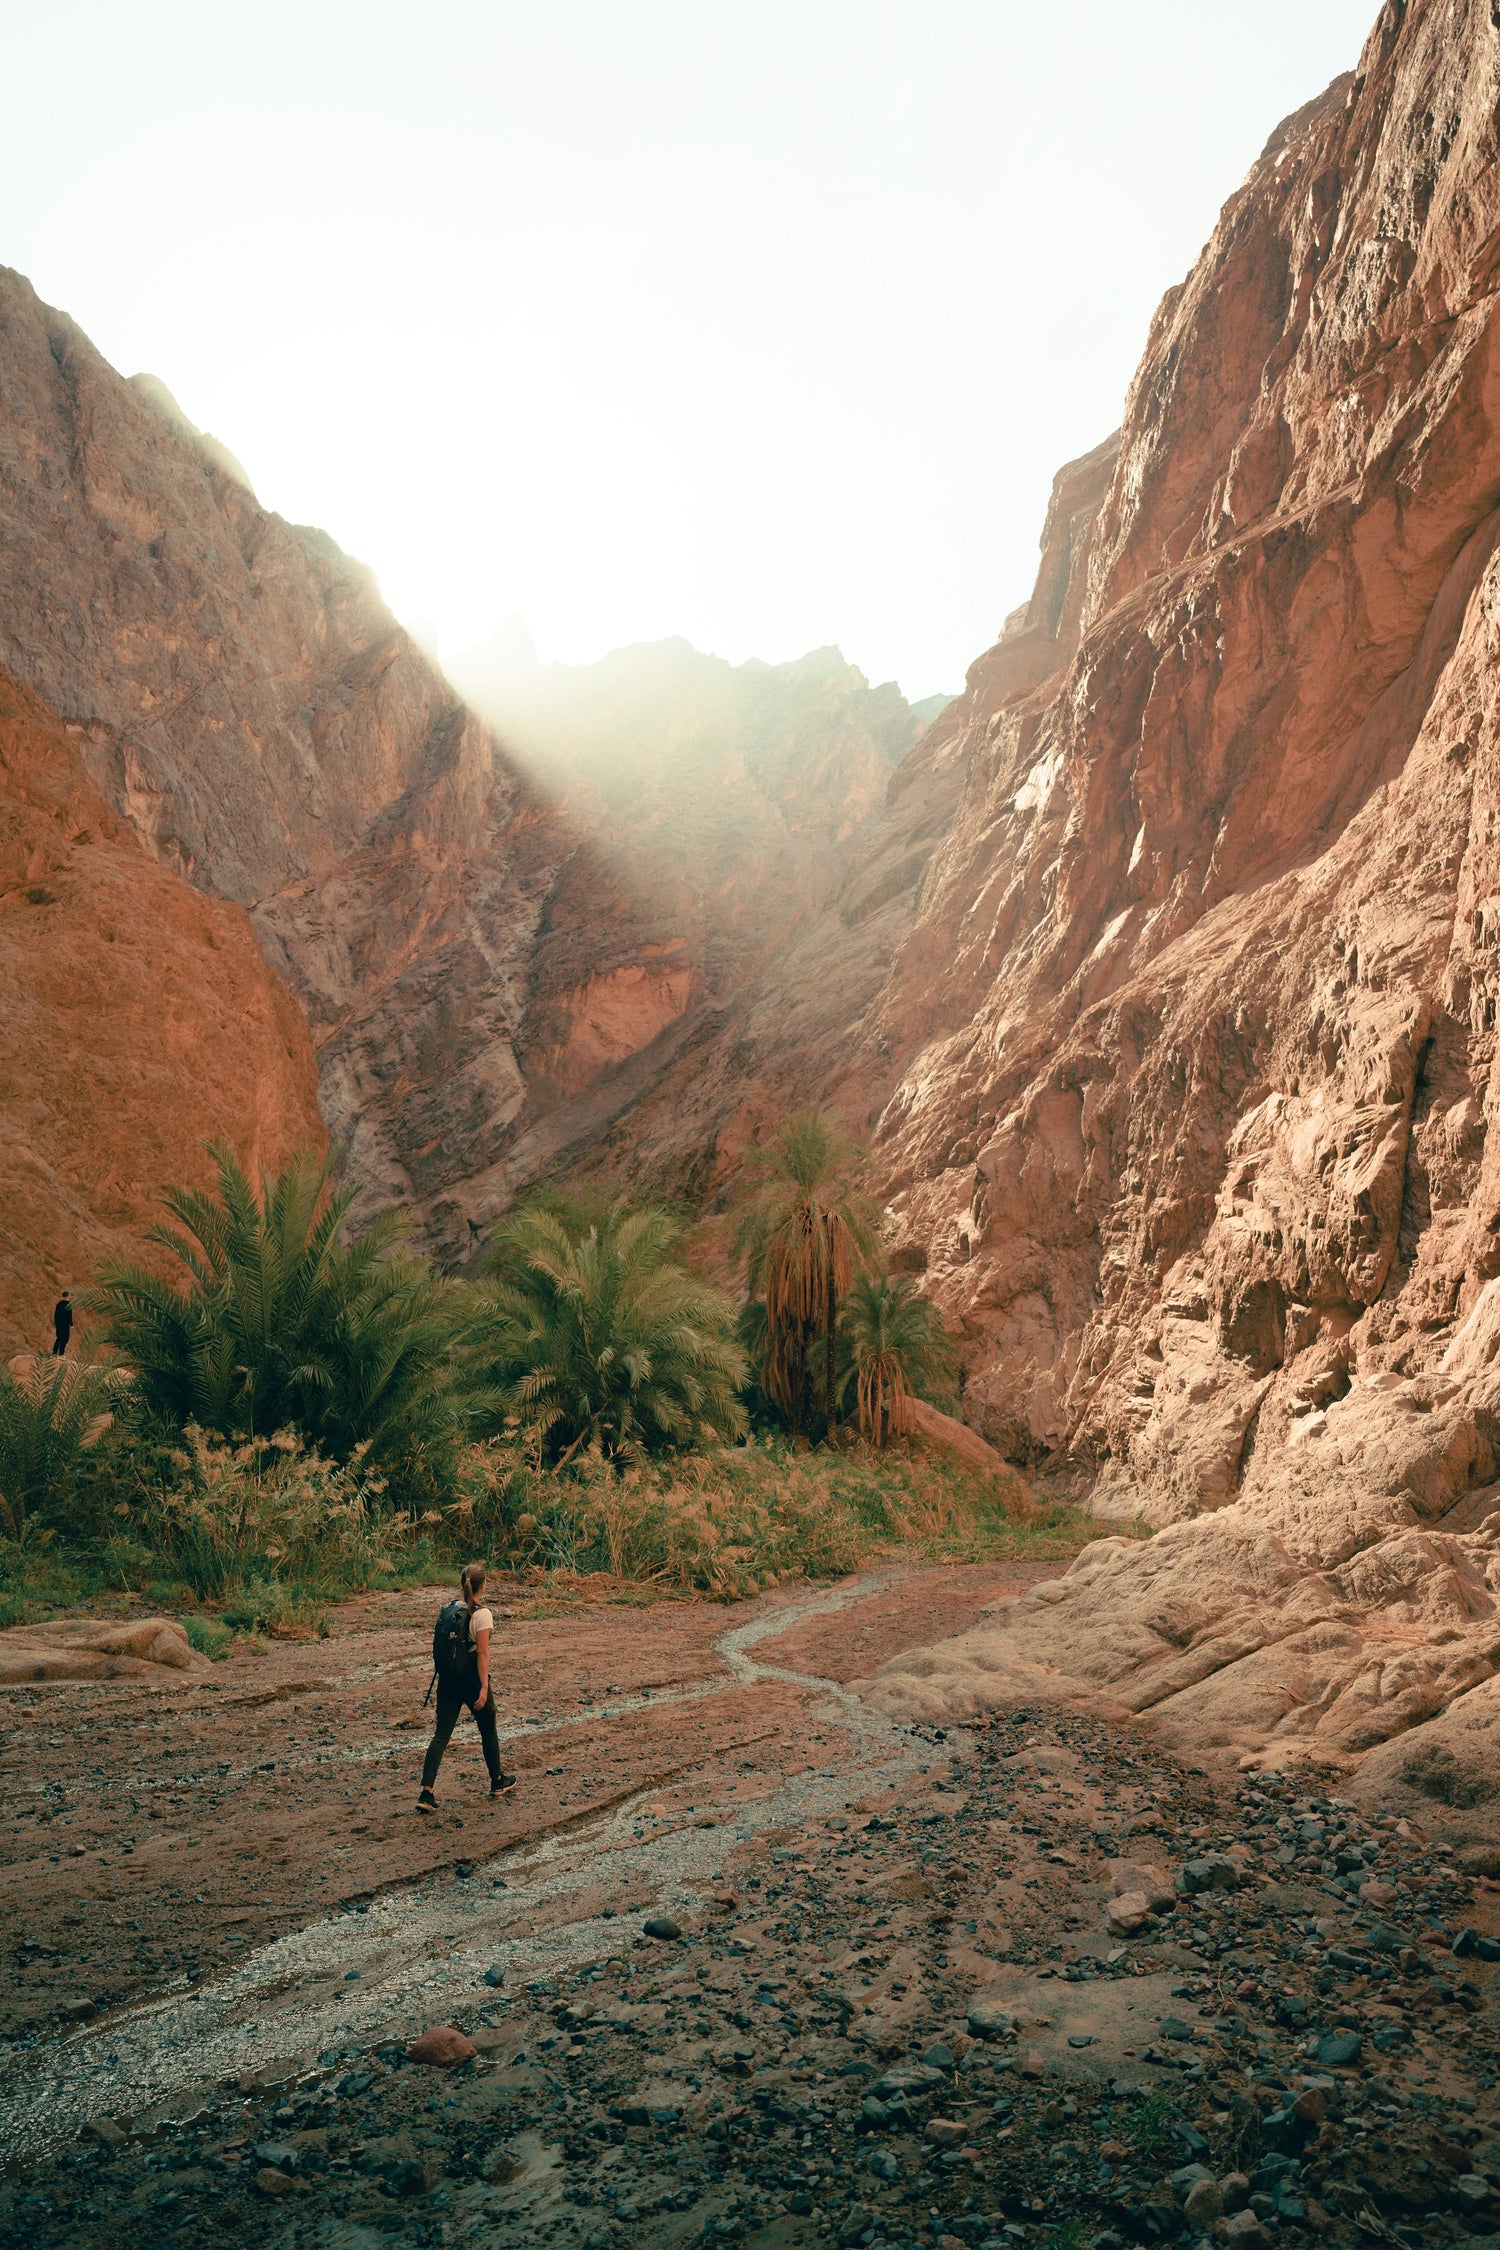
(156, 1831)
(743, 1964)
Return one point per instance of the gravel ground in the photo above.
(909, 2016)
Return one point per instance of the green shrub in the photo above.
(589, 1333)
(280, 1324)
(268, 1513)
(53, 1415)
(208, 1636)
(734, 1520)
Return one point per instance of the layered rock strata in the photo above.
(1195, 1137)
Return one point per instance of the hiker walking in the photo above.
(461, 1669)
(62, 1324)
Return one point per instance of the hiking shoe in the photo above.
(427, 1802)
(504, 1786)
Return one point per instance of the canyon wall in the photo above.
(501, 952)
(725, 806)
(1196, 1136)
(243, 699)
(139, 1022)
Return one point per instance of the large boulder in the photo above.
(96, 1649)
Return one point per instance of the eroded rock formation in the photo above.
(242, 697)
(138, 1022)
(492, 982)
(1196, 1135)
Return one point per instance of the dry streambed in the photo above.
(900, 2008)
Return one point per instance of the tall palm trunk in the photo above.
(830, 1324)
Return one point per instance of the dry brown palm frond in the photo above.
(885, 1398)
(804, 1230)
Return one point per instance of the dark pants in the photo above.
(450, 1701)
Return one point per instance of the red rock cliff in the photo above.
(1197, 1133)
(139, 1021)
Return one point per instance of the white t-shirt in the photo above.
(480, 1621)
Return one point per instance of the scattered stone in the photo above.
(1128, 1914)
(1147, 1878)
(1338, 2050)
(661, 1926)
(109, 2130)
(494, 1975)
(988, 2020)
(442, 2046)
(1244, 2230)
(272, 2182)
(1235, 2189)
(946, 2132)
(1203, 2204)
(1214, 1872)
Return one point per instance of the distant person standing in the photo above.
(461, 1668)
(62, 1324)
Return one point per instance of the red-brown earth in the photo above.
(956, 1985)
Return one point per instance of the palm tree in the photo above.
(590, 1333)
(281, 1324)
(895, 1350)
(803, 1230)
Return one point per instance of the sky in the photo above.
(767, 324)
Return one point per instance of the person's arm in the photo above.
(482, 1651)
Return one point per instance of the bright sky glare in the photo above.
(767, 325)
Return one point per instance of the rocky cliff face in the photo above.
(139, 1022)
(1197, 1134)
(243, 699)
(501, 957)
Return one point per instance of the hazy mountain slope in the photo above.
(139, 1021)
(492, 983)
(723, 804)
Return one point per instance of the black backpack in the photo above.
(455, 1663)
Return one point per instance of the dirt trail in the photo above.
(199, 1846)
(1299, 2040)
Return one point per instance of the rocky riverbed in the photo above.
(1036, 1982)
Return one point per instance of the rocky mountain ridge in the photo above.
(488, 979)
